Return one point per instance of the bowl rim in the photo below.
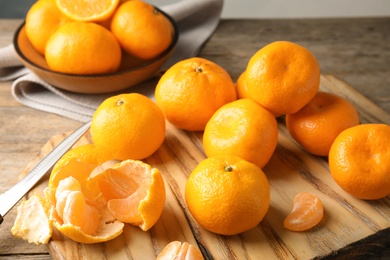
(162, 55)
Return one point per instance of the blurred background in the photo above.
(257, 8)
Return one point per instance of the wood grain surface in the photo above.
(291, 170)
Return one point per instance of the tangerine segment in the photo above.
(306, 213)
(86, 10)
(32, 222)
(74, 218)
(180, 251)
(72, 207)
(135, 192)
(79, 170)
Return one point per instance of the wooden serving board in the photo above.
(290, 171)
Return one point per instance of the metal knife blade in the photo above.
(17, 192)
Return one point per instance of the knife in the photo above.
(17, 192)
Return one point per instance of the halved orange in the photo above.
(86, 10)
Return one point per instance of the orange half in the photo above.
(86, 10)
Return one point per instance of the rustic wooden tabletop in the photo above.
(356, 51)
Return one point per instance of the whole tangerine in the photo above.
(83, 48)
(227, 195)
(42, 20)
(191, 91)
(242, 128)
(283, 77)
(141, 29)
(320, 121)
(359, 161)
(128, 126)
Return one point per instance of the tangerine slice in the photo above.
(72, 207)
(86, 10)
(80, 171)
(180, 251)
(77, 220)
(306, 213)
(135, 192)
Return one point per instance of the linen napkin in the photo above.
(196, 20)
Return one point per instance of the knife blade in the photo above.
(9, 198)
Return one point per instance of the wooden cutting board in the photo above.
(290, 171)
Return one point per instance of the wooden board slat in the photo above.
(290, 171)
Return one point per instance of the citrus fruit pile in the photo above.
(85, 37)
(282, 79)
(226, 193)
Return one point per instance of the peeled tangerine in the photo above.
(91, 204)
(306, 213)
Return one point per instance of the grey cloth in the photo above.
(196, 19)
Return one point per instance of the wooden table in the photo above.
(356, 51)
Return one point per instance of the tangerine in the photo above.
(128, 126)
(242, 87)
(42, 20)
(283, 77)
(359, 161)
(227, 195)
(320, 121)
(141, 29)
(83, 48)
(191, 91)
(242, 128)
